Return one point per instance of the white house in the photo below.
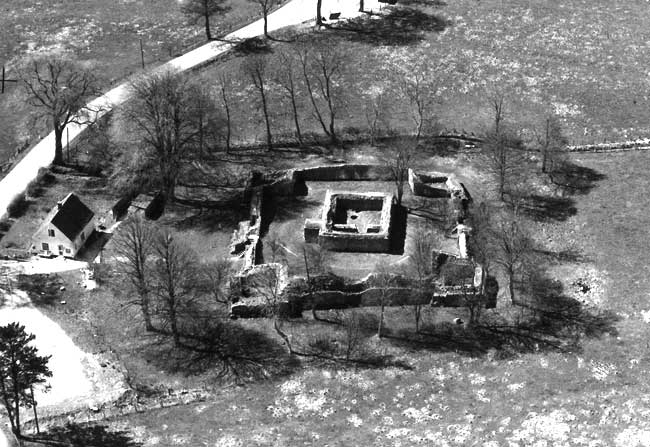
(66, 228)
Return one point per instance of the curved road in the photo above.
(292, 13)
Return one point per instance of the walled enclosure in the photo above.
(334, 232)
(247, 239)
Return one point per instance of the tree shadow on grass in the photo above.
(548, 321)
(251, 46)
(546, 208)
(571, 178)
(42, 289)
(283, 208)
(211, 219)
(77, 435)
(568, 255)
(434, 3)
(225, 349)
(399, 27)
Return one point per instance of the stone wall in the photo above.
(344, 172)
(430, 185)
(246, 240)
(335, 238)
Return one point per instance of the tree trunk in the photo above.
(282, 335)
(174, 326)
(208, 34)
(58, 146)
(295, 117)
(168, 188)
(146, 312)
(266, 23)
(7, 404)
(381, 320)
(312, 98)
(418, 314)
(330, 107)
(201, 137)
(269, 136)
(319, 15)
(17, 411)
(226, 106)
(511, 287)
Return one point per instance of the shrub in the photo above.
(44, 177)
(18, 205)
(5, 226)
(34, 188)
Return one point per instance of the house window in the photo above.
(67, 250)
(46, 246)
(50, 233)
(83, 236)
(60, 249)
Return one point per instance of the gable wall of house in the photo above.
(54, 243)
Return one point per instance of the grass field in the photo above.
(584, 61)
(105, 37)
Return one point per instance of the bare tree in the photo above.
(353, 333)
(61, 89)
(268, 283)
(256, 68)
(377, 111)
(285, 76)
(208, 119)
(420, 86)
(421, 264)
(317, 261)
(511, 249)
(198, 10)
(322, 69)
(225, 85)
(274, 248)
(174, 281)
(133, 242)
(171, 120)
(551, 143)
(398, 158)
(215, 278)
(502, 152)
(267, 6)
(384, 281)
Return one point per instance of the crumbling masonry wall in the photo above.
(246, 240)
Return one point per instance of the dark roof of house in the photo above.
(71, 215)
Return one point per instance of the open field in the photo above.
(582, 60)
(103, 37)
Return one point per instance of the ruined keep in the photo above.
(350, 221)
